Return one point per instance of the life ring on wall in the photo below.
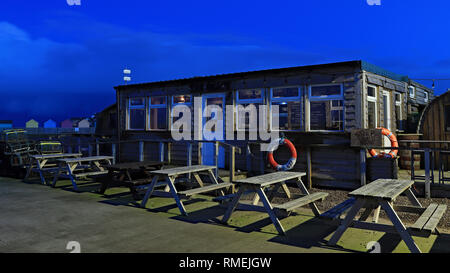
(291, 162)
(394, 143)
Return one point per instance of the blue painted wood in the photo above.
(208, 149)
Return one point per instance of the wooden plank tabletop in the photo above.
(270, 178)
(387, 189)
(184, 170)
(134, 165)
(55, 156)
(84, 159)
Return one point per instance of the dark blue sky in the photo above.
(59, 61)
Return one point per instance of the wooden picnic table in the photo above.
(129, 174)
(46, 163)
(382, 193)
(259, 184)
(169, 177)
(73, 169)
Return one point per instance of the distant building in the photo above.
(5, 124)
(84, 123)
(32, 124)
(50, 124)
(68, 123)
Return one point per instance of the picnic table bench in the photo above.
(381, 194)
(129, 174)
(169, 177)
(73, 168)
(45, 164)
(260, 183)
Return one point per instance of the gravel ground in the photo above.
(338, 196)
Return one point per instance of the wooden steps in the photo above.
(429, 220)
(335, 212)
(205, 189)
(299, 202)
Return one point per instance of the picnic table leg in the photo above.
(233, 204)
(69, 170)
(214, 180)
(346, 222)
(173, 190)
(387, 207)
(304, 190)
(412, 198)
(56, 175)
(376, 214)
(29, 169)
(286, 189)
(40, 172)
(149, 191)
(270, 211)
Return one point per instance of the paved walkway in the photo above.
(37, 218)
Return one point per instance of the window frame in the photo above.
(325, 98)
(157, 106)
(373, 99)
(129, 107)
(286, 99)
(398, 104)
(426, 96)
(238, 101)
(413, 88)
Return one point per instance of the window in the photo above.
(398, 110)
(326, 107)
(289, 108)
(248, 98)
(411, 91)
(136, 113)
(426, 96)
(157, 113)
(179, 100)
(371, 107)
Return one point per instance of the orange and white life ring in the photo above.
(291, 162)
(394, 143)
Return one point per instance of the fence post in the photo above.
(169, 152)
(261, 161)
(248, 158)
(427, 173)
(69, 149)
(97, 147)
(113, 150)
(90, 149)
(141, 151)
(189, 159)
(79, 144)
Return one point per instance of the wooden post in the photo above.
(362, 166)
(248, 158)
(161, 151)
(232, 163)
(308, 168)
(97, 147)
(69, 149)
(427, 173)
(199, 155)
(261, 161)
(90, 149)
(189, 158)
(141, 151)
(113, 152)
(79, 144)
(169, 152)
(216, 158)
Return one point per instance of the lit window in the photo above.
(326, 107)
(158, 113)
(136, 114)
(426, 96)
(371, 107)
(288, 100)
(179, 100)
(245, 101)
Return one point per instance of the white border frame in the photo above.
(374, 100)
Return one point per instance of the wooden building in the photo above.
(6, 124)
(50, 124)
(319, 106)
(67, 123)
(107, 122)
(434, 124)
